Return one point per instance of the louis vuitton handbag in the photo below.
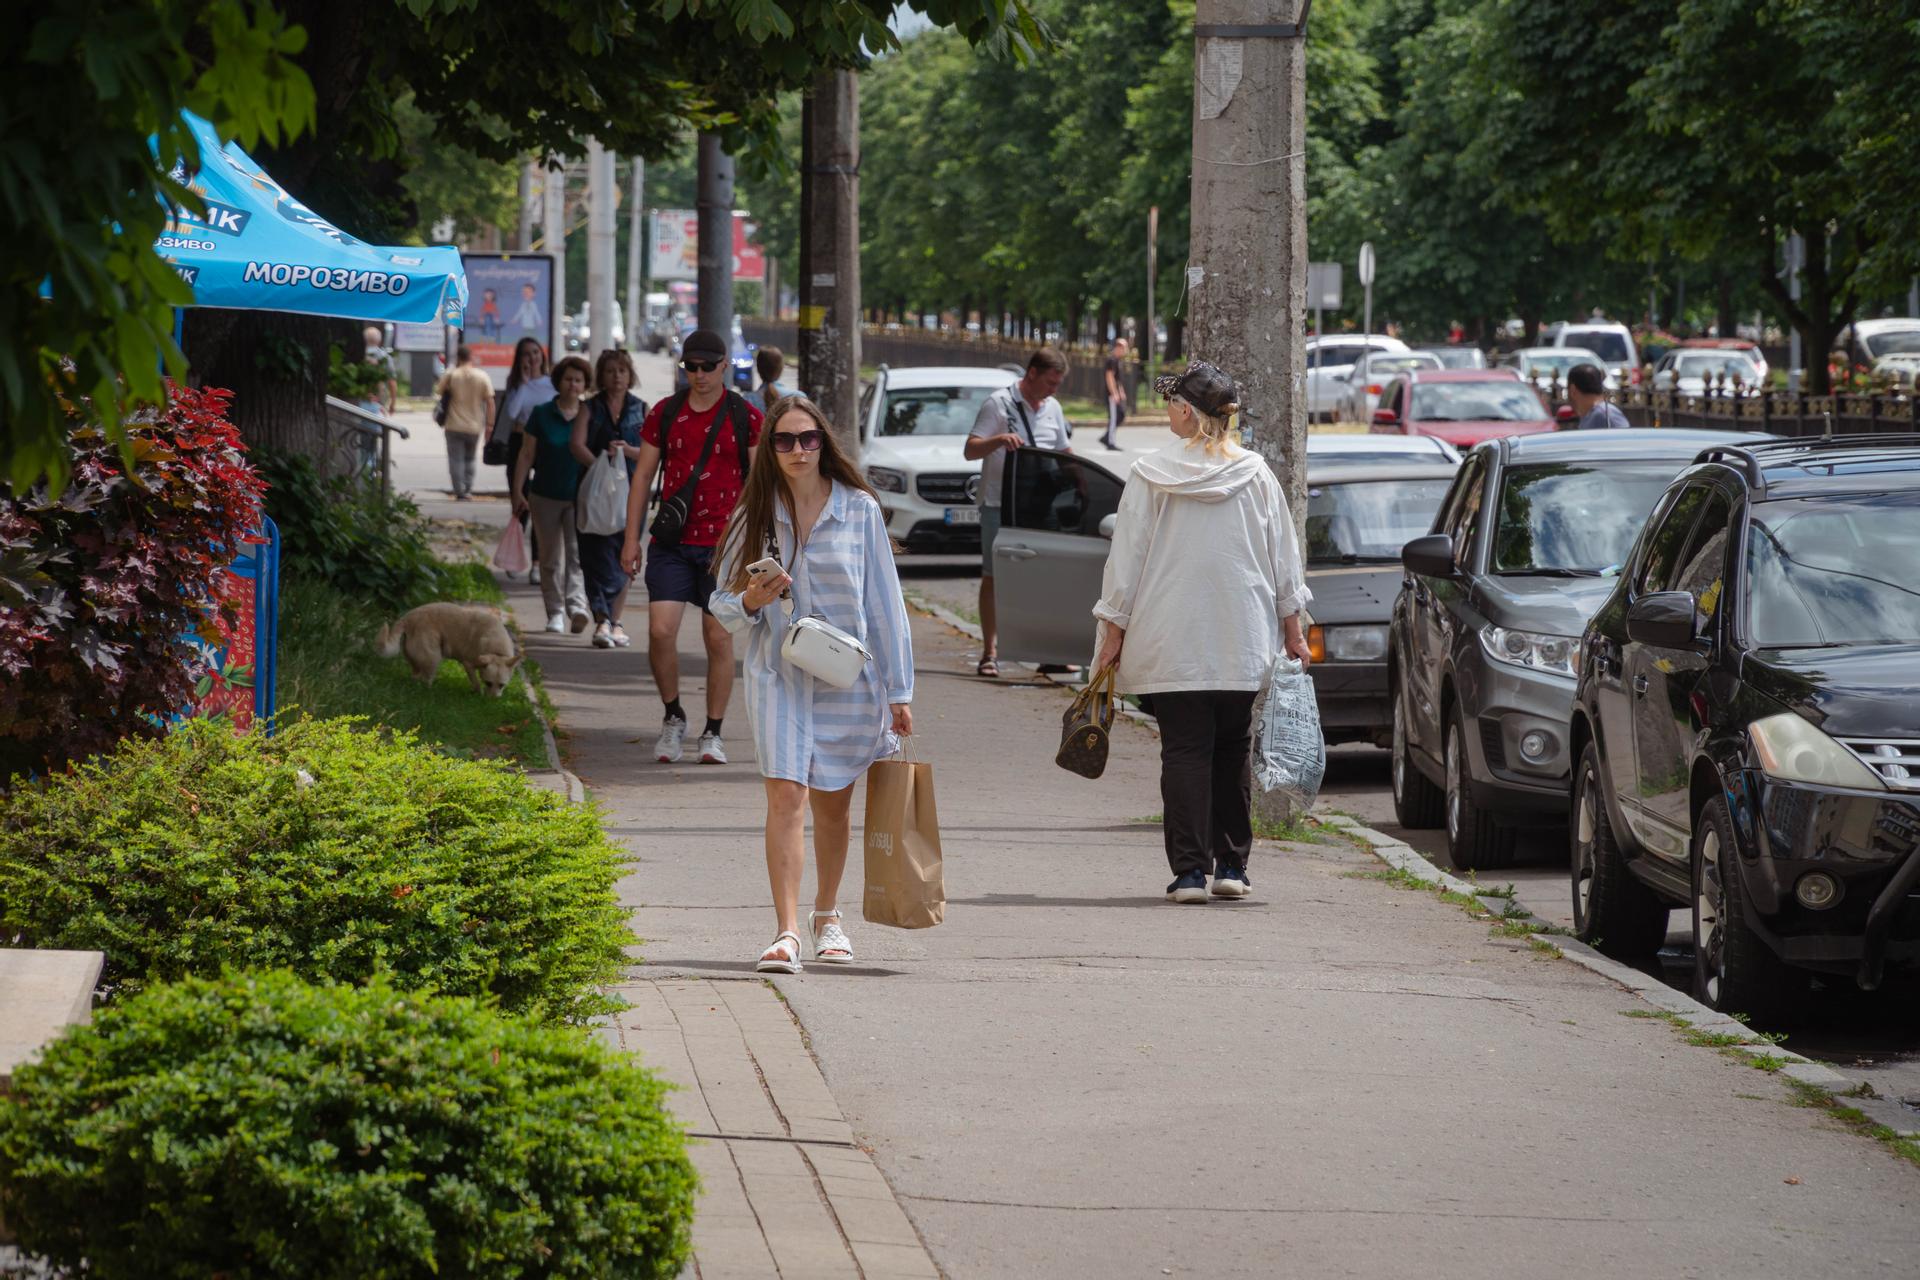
(1085, 726)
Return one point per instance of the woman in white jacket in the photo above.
(1203, 588)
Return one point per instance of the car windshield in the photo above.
(1701, 364)
(1457, 357)
(1475, 402)
(1609, 346)
(1887, 343)
(1369, 457)
(1369, 519)
(1834, 571)
(932, 411)
(1574, 517)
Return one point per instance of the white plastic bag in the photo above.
(602, 502)
(510, 556)
(1289, 754)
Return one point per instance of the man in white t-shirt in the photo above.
(1024, 415)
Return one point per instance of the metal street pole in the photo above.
(600, 293)
(1913, 297)
(1152, 362)
(829, 276)
(1796, 258)
(523, 233)
(1247, 261)
(715, 205)
(1366, 310)
(636, 248)
(553, 238)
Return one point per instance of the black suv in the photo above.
(1747, 723)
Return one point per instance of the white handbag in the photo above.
(601, 506)
(819, 648)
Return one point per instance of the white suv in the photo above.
(1330, 364)
(913, 434)
(1613, 343)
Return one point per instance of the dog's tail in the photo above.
(388, 641)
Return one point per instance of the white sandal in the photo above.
(781, 958)
(830, 945)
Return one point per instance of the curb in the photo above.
(1684, 1009)
(575, 789)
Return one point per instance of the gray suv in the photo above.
(1484, 646)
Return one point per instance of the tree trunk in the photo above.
(1725, 323)
(1176, 341)
(277, 371)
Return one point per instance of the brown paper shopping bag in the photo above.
(905, 885)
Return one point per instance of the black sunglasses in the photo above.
(807, 441)
(699, 366)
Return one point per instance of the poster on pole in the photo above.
(512, 298)
(1323, 285)
(674, 247)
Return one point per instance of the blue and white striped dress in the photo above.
(804, 730)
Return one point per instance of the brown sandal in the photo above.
(988, 668)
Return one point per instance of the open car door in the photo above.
(1056, 526)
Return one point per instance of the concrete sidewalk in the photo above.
(1071, 1077)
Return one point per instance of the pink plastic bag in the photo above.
(510, 556)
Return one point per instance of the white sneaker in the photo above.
(602, 636)
(581, 620)
(557, 623)
(533, 575)
(712, 751)
(672, 742)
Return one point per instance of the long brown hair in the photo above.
(750, 528)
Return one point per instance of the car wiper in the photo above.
(1351, 558)
(1547, 573)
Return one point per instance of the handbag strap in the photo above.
(1098, 688)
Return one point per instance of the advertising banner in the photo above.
(675, 247)
(511, 298)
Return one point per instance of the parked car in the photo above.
(1330, 363)
(913, 434)
(1747, 723)
(1461, 406)
(1613, 343)
(1902, 366)
(1485, 643)
(1865, 341)
(1751, 350)
(1691, 372)
(1371, 376)
(1351, 447)
(1358, 518)
(1547, 365)
(1457, 357)
(657, 328)
(580, 328)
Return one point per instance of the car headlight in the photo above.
(1356, 644)
(1792, 750)
(887, 480)
(1558, 655)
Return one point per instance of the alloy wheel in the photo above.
(1709, 913)
(1398, 768)
(1585, 829)
(1453, 785)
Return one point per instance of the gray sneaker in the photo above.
(712, 751)
(672, 742)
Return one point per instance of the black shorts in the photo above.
(683, 574)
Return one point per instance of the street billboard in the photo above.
(674, 247)
(512, 298)
(1323, 285)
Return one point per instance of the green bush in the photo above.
(341, 531)
(256, 1126)
(326, 849)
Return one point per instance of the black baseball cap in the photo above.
(703, 344)
(1203, 386)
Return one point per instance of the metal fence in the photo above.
(1784, 413)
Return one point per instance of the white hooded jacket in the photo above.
(1204, 565)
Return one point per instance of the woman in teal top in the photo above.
(549, 494)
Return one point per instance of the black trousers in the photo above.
(1205, 739)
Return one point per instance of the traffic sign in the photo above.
(1366, 262)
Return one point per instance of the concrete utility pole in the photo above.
(715, 204)
(829, 276)
(553, 223)
(636, 246)
(1247, 264)
(523, 237)
(599, 249)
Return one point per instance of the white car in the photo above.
(1691, 370)
(1902, 366)
(1355, 448)
(1613, 343)
(1330, 363)
(1371, 376)
(914, 425)
(1865, 341)
(1543, 366)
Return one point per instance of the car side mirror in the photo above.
(1663, 620)
(1108, 523)
(1385, 418)
(1431, 556)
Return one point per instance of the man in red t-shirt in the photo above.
(681, 572)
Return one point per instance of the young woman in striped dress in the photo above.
(813, 740)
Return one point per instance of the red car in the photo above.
(1461, 406)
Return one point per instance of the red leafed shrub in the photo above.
(100, 584)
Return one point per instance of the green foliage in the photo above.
(254, 1126)
(86, 84)
(351, 379)
(450, 182)
(326, 849)
(342, 532)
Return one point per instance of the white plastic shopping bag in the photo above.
(510, 556)
(602, 503)
(1289, 754)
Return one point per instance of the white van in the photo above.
(1613, 343)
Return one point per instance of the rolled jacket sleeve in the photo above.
(889, 630)
(1132, 533)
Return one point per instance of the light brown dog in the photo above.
(472, 635)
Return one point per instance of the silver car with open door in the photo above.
(1057, 513)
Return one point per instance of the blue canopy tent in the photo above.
(256, 248)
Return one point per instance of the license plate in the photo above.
(963, 515)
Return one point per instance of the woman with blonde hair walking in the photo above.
(814, 514)
(1203, 589)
